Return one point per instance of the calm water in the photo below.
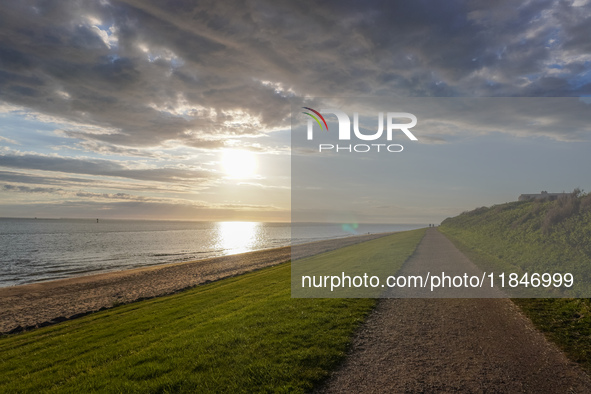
(37, 250)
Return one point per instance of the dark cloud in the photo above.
(26, 178)
(91, 182)
(202, 72)
(26, 189)
(116, 196)
(99, 167)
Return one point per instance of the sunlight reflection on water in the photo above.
(237, 237)
(38, 250)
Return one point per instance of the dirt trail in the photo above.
(471, 345)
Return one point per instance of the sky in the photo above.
(182, 110)
(469, 152)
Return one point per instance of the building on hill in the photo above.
(542, 196)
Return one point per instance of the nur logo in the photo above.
(345, 129)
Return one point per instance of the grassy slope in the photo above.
(243, 334)
(536, 237)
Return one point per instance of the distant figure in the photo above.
(97, 220)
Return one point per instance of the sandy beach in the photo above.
(39, 304)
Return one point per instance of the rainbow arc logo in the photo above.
(315, 118)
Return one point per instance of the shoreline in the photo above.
(33, 305)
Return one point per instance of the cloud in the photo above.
(562, 119)
(112, 196)
(26, 189)
(8, 141)
(167, 85)
(200, 72)
(101, 167)
(433, 139)
(83, 208)
(112, 199)
(442, 119)
(58, 179)
(262, 186)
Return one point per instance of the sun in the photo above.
(239, 164)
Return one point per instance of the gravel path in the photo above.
(449, 345)
(39, 304)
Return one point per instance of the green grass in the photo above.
(547, 236)
(565, 321)
(242, 334)
(520, 237)
(380, 257)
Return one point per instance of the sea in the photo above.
(36, 250)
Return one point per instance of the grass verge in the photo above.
(379, 257)
(528, 237)
(565, 321)
(242, 334)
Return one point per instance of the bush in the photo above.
(586, 203)
(564, 207)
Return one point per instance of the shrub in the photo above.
(586, 203)
(563, 208)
